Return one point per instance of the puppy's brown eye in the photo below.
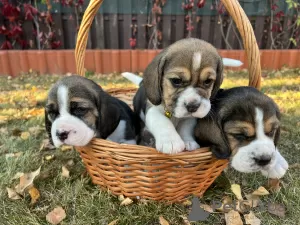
(271, 133)
(243, 137)
(208, 82)
(80, 111)
(176, 81)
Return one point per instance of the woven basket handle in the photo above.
(233, 7)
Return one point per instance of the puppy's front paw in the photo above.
(191, 145)
(170, 144)
(279, 169)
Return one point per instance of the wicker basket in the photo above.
(134, 170)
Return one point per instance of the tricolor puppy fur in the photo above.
(245, 122)
(78, 110)
(176, 89)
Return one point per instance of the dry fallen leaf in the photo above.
(273, 185)
(277, 209)
(18, 175)
(114, 222)
(66, 148)
(34, 194)
(126, 201)
(251, 219)
(121, 198)
(12, 194)
(185, 220)
(26, 180)
(187, 203)
(13, 155)
(163, 221)
(207, 208)
(233, 218)
(46, 145)
(56, 215)
(260, 191)
(25, 135)
(294, 166)
(35, 130)
(70, 162)
(252, 200)
(49, 157)
(65, 172)
(236, 189)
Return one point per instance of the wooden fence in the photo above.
(113, 25)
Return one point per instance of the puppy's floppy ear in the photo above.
(277, 134)
(108, 118)
(219, 79)
(48, 125)
(153, 77)
(209, 132)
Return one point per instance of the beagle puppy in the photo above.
(246, 123)
(78, 110)
(176, 89)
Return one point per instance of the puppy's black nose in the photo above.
(192, 107)
(62, 135)
(263, 160)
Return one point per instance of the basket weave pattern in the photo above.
(134, 170)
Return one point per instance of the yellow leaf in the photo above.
(34, 194)
(121, 198)
(260, 191)
(66, 148)
(252, 200)
(185, 220)
(114, 222)
(49, 157)
(12, 194)
(56, 215)
(126, 201)
(207, 208)
(233, 218)
(251, 219)
(163, 221)
(187, 203)
(65, 172)
(26, 180)
(236, 189)
(25, 135)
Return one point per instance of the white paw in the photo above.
(170, 144)
(279, 169)
(191, 145)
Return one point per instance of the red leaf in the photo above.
(279, 14)
(10, 12)
(80, 2)
(49, 18)
(55, 44)
(6, 45)
(3, 30)
(201, 3)
(274, 7)
(15, 31)
(28, 15)
(22, 43)
(132, 42)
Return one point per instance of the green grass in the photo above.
(84, 202)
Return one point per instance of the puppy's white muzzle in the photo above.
(191, 104)
(70, 130)
(258, 155)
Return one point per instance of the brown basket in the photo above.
(134, 170)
